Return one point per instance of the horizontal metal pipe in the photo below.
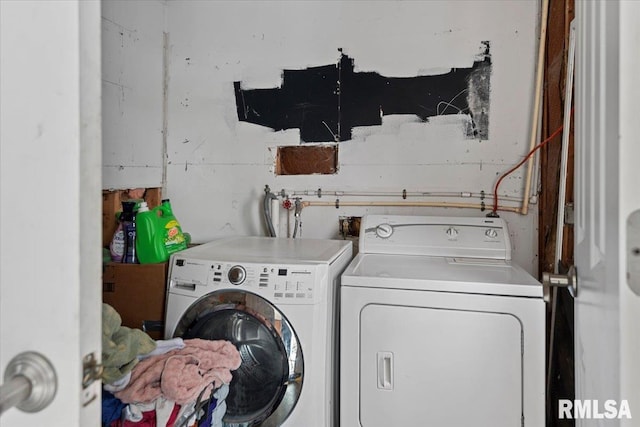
(341, 203)
(338, 193)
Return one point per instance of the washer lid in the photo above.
(441, 274)
(269, 250)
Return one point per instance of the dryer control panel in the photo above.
(284, 283)
(468, 237)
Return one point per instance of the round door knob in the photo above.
(30, 383)
(237, 274)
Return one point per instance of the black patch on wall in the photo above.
(327, 102)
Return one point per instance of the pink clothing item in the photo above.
(182, 380)
(144, 385)
(181, 375)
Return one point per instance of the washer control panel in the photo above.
(295, 284)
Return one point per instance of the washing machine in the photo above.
(275, 299)
(439, 327)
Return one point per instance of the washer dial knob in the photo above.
(237, 274)
(384, 231)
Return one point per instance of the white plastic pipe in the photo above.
(536, 105)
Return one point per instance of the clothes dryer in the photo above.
(275, 299)
(440, 328)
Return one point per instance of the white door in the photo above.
(607, 310)
(50, 293)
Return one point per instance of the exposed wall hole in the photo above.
(349, 226)
(307, 160)
(327, 102)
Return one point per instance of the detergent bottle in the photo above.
(158, 233)
(172, 235)
(116, 246)
(149, 247)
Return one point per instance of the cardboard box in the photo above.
(138, 293)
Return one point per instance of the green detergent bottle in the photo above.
(172, 235)
(149, 246)
(158, 233)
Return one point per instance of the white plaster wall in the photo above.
(217, 167)
(132, 82)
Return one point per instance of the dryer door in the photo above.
(266, 386)
(421, 365)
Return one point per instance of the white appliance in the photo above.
(439, 327)
(275, 300)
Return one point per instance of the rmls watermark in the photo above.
(591, 409)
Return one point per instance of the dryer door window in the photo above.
(268, 382)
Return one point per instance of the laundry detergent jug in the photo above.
(158, 233)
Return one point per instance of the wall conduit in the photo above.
(536, 106)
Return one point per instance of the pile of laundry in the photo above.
(164, 383)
